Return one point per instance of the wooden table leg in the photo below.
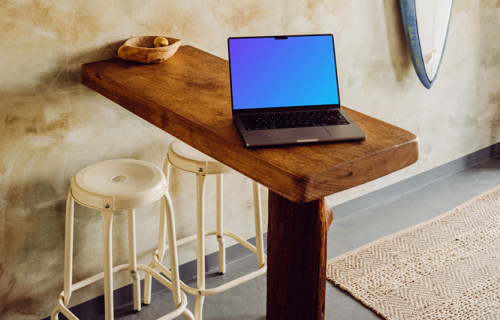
(296, 258)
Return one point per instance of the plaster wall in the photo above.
(51, 125)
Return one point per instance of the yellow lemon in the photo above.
(160, 41)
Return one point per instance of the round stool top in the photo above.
(189, 159)
(118, 184)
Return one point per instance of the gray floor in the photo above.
(349, 231)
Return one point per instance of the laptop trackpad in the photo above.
(298, 134)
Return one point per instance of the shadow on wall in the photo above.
(400, 55)
(32, 231)
(67, 73)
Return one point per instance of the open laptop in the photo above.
(284, 90)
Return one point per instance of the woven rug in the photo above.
(444, 268)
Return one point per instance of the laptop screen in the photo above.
(282, 71)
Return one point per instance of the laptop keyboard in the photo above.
(293, 120)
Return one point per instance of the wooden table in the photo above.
(189, 97)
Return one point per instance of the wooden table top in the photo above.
(189, 97)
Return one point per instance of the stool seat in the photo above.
(118, 184)
(189, 159)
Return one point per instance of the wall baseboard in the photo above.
(94, 308)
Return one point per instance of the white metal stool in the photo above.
(184, 157)
(111, 186)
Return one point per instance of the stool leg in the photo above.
(168, 211)
(68, 248)
(161, 236)
(200, 196)
(259, 241)
(166, 204)
(132, 258)
(147, 288)
(220, 226)
(166, 170)
(107, 228)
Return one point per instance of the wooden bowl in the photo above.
(141, 49)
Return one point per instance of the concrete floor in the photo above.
(349, 231)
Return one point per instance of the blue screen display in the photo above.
(283, 71)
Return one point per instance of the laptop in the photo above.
(284, 91)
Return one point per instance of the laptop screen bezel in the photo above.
(288, 108)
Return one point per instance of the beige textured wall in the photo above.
(52, 126)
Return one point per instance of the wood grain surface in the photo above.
(296, 253)
(189, 97)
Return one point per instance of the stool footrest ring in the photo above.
(226, 286)
(61, 307)
(231, 234)
(212, 291)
